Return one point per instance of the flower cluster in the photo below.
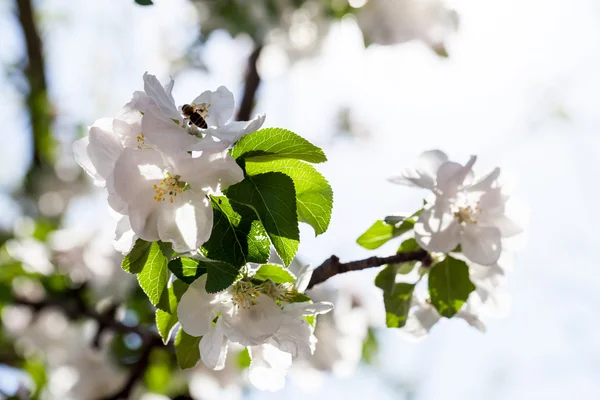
(159, 167)
(260, 316)
(469, 217)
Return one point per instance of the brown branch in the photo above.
(74, 307)
(252, 82)
(37, 101)
(138, 369)
(332, 266)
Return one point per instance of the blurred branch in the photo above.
(138, 369)
(332, 266)
(37, 102)
(72, 304)
(251, 84)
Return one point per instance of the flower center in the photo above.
(244, 294)
(467, 208)
(141, 140)
(169, 187)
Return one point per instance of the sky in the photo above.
(519, 90)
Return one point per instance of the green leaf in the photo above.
(243, 359)
(276, 144)
(383, 230)
(397, 303)
(274, 272)
(187, 350)
(166, 314)
(186, 269)
(220, 275)
(144, 2)
(273, 199)
(370, 347)
(238, 236)
(298, 298)
(407, 246)
(449, 286)
(158, 374)
(396, 296)
(149, 262)
(314, 195)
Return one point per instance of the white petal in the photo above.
(197, 308)
(306, 308)
(124, 236)
(104, 149)
(213, 347)
(481, 244)
(437, 230)
(268, 368)
(472, 320)
(303, 279)
(234, 130)
(166, 134)
(81, 156)
(420, 322)
(188, 224)
(451, 176)
(254, 325)
(163, 99)
(294, 336)
(424, 175)
(211, 172)
(221, 105)
(486, 182)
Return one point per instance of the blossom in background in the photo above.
(258, 317)
(466, 211)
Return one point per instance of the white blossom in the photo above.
(255, 316)
(167, 197)
(166, 127)
(466, 211)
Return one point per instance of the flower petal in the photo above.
(303, 279)
(254, 325)
(187, 223)
(104, 147)
(268, 367)
(213, 347)
(299, 309)
(437, 230)
(221, 105)
(424, 175)
(234, 130)
(481, 244)
(162, 98)
(451, 176)
(166, 134)
(82, 158)
(197, 309)
(294, 336)
(124, 236)
(420, 322)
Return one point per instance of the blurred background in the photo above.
(373, 82)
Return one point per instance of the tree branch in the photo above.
(74, 307)
(332, 266)
(252, 82)
(37, 99)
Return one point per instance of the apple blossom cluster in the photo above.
(465, 227)
(199, 201)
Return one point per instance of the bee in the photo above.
(195, 113)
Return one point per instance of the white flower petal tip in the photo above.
(303, 279)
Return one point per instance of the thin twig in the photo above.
(332, 266)
(138, 369)
(251, 84)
